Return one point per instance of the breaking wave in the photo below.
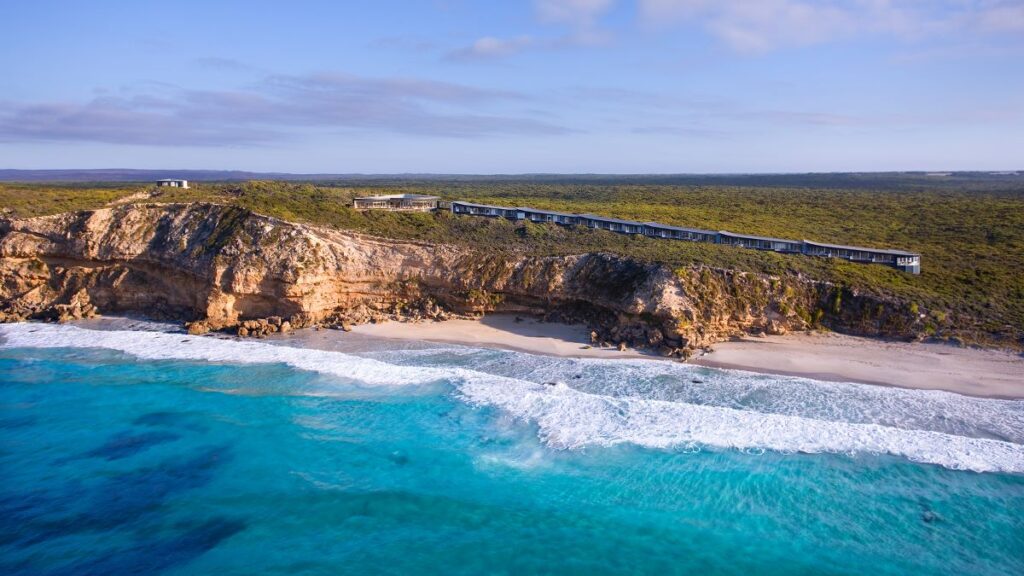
(647, 403)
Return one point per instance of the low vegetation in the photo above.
(970, 233)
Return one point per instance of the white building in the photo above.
(397, 202)
(173, 183)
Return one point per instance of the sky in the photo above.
(513, 86)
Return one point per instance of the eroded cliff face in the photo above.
(221, 267)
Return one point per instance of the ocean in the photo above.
(149, 451)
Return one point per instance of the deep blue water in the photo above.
(145, 456)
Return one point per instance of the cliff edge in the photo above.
(220, 267)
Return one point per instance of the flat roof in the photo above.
(608, 219)
(863, 249)
(171, 180)
(679, 228)
(400, 197)
(552, 212)
(751, 237)
(460, 202)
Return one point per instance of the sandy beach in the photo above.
(502, 331)
(822, 356)
(835, 357)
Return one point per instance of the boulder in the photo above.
(197, 328)
(775, 328)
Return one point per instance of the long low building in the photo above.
(397, 202)
(899, 259)
(759, 242)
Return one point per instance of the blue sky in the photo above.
(456, 86)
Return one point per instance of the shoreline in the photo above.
(833, 357)
(823, 356)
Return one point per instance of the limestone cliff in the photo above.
(222, 267)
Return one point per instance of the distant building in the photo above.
(397, 202)
(173, 183)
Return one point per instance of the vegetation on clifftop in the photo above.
(971, 236)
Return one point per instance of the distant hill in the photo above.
(132, 175)
(847, 180)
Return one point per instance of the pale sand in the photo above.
(501, 331)
(829, 356)
(822, 356)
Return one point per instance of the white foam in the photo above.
(176, 346)
(910, 409)
(567, 417)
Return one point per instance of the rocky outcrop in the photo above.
(218, 267)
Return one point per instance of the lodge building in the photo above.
(899, 259)
(398, 202)
(173, 183)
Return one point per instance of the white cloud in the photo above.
(491, 47)
(754, 26)
(579, 16)
(278, 107)
(1007, 17)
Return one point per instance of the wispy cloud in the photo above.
(697, 116)
(1003, 17)
(279, 107)
(578, 19)
(764, 25)
(490, 47)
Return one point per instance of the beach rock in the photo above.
(243, 331)
(622, 346)
(197, 328)
(776, 328)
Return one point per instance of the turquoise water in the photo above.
(146, 452)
